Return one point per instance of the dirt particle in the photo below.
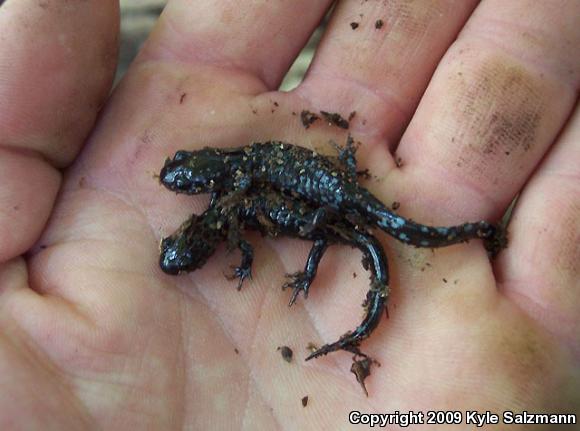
(379, 24)
(311, 347)
(182, 98)
(361, 370)
(335, 119)
(354, 25)
(396, 205)
(308, 118)
(354, 275)
(236, 350)
(351, 115)
(364, 174)
(444, 280)
(304, 401)
(286, 353)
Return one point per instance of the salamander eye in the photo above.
(181, 155)
(180, 184)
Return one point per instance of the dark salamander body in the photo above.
(272, 214)
(282, 189)
(328, 184)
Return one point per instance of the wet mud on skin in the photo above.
(494, 120)
(503, 124)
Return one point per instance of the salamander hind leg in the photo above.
(301, 281)
(494, 237)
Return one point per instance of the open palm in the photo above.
(94, 335)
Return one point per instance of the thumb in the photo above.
(57, 60)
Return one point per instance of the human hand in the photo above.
(95, 336)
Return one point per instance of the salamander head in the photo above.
(195, 172)
(189, 248)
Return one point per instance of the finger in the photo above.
(57, 60)
(56, 64)
(541, 268)
(262, 41)
(494, 106)
(376, 58)
(29, 187)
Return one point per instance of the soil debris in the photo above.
(286, 353)
(335, 119)
(361, 369)
(308, 118)
(311, 347)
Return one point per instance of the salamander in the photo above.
(327, 183)
(272, 214)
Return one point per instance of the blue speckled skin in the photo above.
(325, 182)
(272, 214)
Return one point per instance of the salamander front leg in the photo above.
(245, 269)
(235, 240)
(301, 281)
(347, 156)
